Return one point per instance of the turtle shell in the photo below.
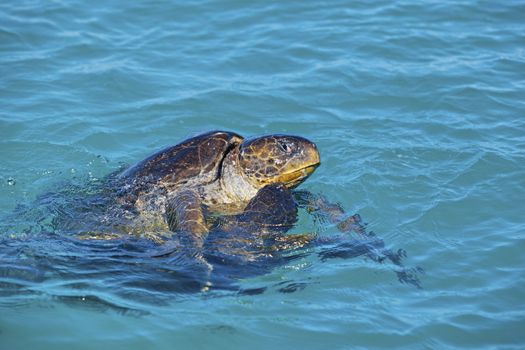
(197, 159)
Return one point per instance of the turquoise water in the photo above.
(417, 109)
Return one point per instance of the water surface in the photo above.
(417, 110)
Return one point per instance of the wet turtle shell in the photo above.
(195, 161)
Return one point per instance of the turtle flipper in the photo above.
(333, 213)
(365, 243)
(185, 217)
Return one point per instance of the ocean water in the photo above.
(417, 109)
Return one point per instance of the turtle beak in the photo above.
(313, 156)
(311, 161)
(310, 169)
(297, 177)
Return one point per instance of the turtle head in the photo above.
(278, 159)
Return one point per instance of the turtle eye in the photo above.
(285, 146)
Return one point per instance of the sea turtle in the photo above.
(181, 188)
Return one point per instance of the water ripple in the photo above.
(417, 111)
